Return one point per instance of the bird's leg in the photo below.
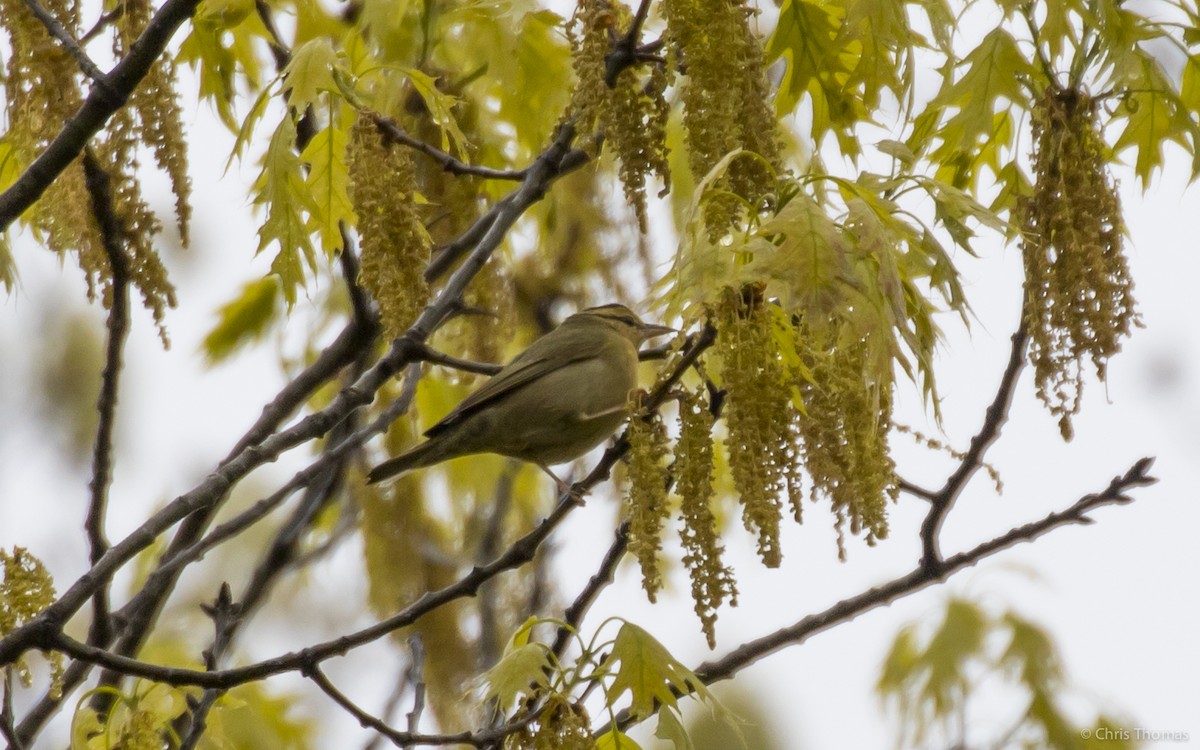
(561, 487)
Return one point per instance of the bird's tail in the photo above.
(425, 454)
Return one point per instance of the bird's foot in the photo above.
(565, 489)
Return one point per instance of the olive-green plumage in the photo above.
(557, 400)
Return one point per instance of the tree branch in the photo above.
(7, 730)
(997, 414)
(69, 43)
(433, 356)
(112, 236)
(102, 101)
(587, 597)
(393, 132)
(920, 578)
(520, 552)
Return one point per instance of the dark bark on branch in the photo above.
(104, 99)
(994, 418)
(112, 235)
(1116, 493)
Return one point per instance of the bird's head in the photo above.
(621, 319)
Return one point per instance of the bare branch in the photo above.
(393, 132)
(112, 235)
(587, 597)
(433, 356)
(69, 43)
(1116, 493)
(101, 103)
(995, 417)
(625, 52)
(557, 160)
(7, 730)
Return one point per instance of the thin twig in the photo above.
(415, 674)
(994, 419)
(7, 729)
(393, 132)
(915, 490)
(433, 356)
(112, 235)
(587, 597)
(102, 101)
(1116, 493)
(390, 706)
(409, 739)
(69, 43)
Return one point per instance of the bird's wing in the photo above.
(520, 372)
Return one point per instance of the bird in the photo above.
(551, 404)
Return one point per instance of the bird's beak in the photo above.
(649, 330)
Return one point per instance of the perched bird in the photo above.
(554, 402)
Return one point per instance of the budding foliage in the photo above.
(758, 413)
(155, 107)
(1079, 295)
(631, 114)
(646, 505)
(25, 590)
(712, 582)
(42, 90)
(725, 93)
(395, 245)
(561, 725)
(844, 431)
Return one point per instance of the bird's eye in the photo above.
(627, 320)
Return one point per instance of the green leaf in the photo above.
(245, 318)
(647, 671)
(247, 129)
(671, 729)
(328, 182)
(521, 671)
(1154, 114)
(901, 661)
(219, 52)
(898, 150)
(222, 14)
(310, 72)
(8, 269)
(959, 640)
(524, 669)
(440, 106)
(819, 65)
(281, 189)
(994, 75)
(803, 254)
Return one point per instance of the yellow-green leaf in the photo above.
(671, 729)
(523, 670)
(310, 72)
(243, 319)
(643, 667)
(280, 188)
(441, 109)
(328, 182)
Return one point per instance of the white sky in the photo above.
(1119, 596)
